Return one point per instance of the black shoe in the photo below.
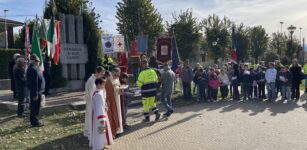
(157, 116)
(146, 120)
(21, 116)
(38, 125)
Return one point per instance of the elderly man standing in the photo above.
(36, 85)
(187, 77)
(11, 72)
(167, 80)
(20, 84)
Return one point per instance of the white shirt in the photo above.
(270, 75)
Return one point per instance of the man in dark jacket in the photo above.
(11, 72)
(20, 84)
(296, 72)
(36, 85)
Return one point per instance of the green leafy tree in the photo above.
(278, 43)
(242, 42)
(258, 42)
(139, 17)
(270, 56)
(186, 30)
(217, 35)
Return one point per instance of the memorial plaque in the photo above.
(73, 54)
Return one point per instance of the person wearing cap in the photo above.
(147, 81)
(36, 85)
(167, 80)
(11, 73)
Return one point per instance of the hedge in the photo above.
(6, 56)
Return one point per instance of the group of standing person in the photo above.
(107, 99)
(28, 82)
(252, 80)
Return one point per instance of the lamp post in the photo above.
(5, 27)
(281, 23)
(300, 36)
(214, 43)
(291, 29)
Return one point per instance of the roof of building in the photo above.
(12, 23)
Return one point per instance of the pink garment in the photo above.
(214, 83)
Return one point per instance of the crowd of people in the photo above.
(107, 94)
(255, 81)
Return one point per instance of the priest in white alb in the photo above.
(89, 89)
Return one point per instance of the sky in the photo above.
(268, 13)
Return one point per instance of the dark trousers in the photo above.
(278, 87)
(202, 93)
(246, 90)
(21, 101)
(209, 93)
(236, 95)
(224, 91)
(187, 90)
(214, 93)
(261, 89)
(253, 91)
(295, 90)
(35, 107)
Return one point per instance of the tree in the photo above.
(258, 41)
(242, 42)
(278, 43)
(139, 17)
(217, 35)
(186, 30)
(270, 56)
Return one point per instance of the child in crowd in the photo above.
(214, 85)
(125, 98)
(246, 83)
(261, 83)
(285, 79)
(203, 85)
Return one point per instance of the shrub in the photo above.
(6, 56)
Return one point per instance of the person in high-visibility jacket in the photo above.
(147, 81)
(108, 63)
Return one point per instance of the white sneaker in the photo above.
(285, 101)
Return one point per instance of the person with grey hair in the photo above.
(36, 85)
(19, 73)
(11, 73)
(167, 80)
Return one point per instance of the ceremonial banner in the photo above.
(133, 47)
(164, 47)
(107, 44)
(119, 43)
(142, 43)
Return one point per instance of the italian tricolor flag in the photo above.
(53, 37)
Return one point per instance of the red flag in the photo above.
(133, 48)
(57, 44)
(233, 46)
(27, 40)
(164, 49)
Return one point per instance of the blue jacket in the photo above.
(35, 81)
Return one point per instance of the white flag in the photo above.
(107, 44)
(119, 43)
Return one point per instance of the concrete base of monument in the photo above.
(5, 84)
(71, 86)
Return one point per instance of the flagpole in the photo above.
(176, 44)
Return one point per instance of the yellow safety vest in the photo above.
(147, 81)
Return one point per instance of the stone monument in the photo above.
(74, 54)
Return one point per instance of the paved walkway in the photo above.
(248, 125)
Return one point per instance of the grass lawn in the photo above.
(62, 130)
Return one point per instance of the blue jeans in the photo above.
(271, 90)
(166, 100)
(286, 92)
